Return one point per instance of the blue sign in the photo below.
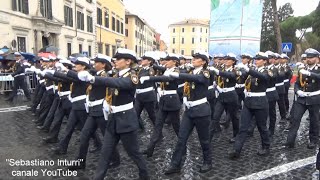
(286, 47)
(86, 53)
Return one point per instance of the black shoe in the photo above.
(283, 120)
(232, 140)
(77, 167)
(59, 151)
(95, 149)
(114, 164)
(148, 152)
(50, 140)
(43, 128)
(288, 145)
(263, 152)
(311, 145)
(9, 100)
(144, 177)
(205, 168)
(26, 100)
(288, 127)
(172, 170)
(233, 155)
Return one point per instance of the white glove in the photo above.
(301, 66)
(166, 73)
(37, 71)
(144, 78)
(219, 89)
(49, 71)
(42, 73)
(60, 67)
(211, 68)
(244, 67)
(305, 72)
(300, 93)
(9, 76)
(84, 75)
(174, 74)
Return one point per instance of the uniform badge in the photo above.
(193, 86)
(270, 73)
(116, 92)
(313, 81)
(256, 83)
(227, 80)
(151, 72)
(167, 83)
(206, 74)
(306, 79)
(134, 79)
(316, 68)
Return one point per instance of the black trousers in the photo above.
(286, 96)
(212, 103)
(299, 110)
(76, 117)
(44, 110)
(219, 108)
(131, 145)
(57, 121)
(241, 97)
(172, 116)
(50, 116)
(38, 93)
(261, 121)
(88, 131)
(187, 124)
(149, 107)
(19, 81)
(281, 104)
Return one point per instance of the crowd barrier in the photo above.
(6, 82)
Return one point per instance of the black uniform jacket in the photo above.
(150, 95)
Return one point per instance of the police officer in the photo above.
(169, 105)
(280, 87)
(19, 78)
(197, 113)
(255, 105)
(228, 98)
(122, 122)
(288, 76)
(245, 59)
(307, 88)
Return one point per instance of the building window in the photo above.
(193, 29)
(182, 29)
(113, 50)
(206, 30)
(173, 40)
(121, 28)
(113, 24)
(80, 48)
(192, 40)
(200, 39)
(206, 39)
(46, 8)
(136, 49)
(173, 51)
(68, 16)
(99, 16)
(200, 29)
(118, 26)
(174, 30)
(107, 49)
(126, 20)
(80, 20)
(127, 33)
(106, 19)
(89, 1)
(99, 47)
(182, 52)
(182, 41)
(69, 49)
(89, 24)
(21, 6)
(21, 44)
(126, 46)
(192, 52)
(89, 51)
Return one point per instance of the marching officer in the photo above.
(255, 105)
(197, 112)
(245, 59)
(19, 79)
(280, 87)
(288, 76)
(307, 88)
(122, 121)
(169, 105)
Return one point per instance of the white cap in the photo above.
(284, 56)
(311, 51)
(83, 60)
(172, 56)
(261, 55)
(102, 57)
(17, 54)
(246, 55)
(125, 53)
(66, 61)
(150, 54)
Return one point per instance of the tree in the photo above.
(285, 12)
(276, 24)
(267, 31)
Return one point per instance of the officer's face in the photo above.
(283, 61)
(122, 63)
(260, 62)
(182, 61)
(271, 61)
(99, 65)
(163, 62)
(198, 62)
(229, 62)
(170, 63)
(276, 61)
(79, 67)
(312, 60)
(17, 57)
(145, 62)
(245, 60)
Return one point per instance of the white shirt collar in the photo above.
(123, 71)
(261, 68)
(310, 68)
(170, 69)
(197, 70)
(270, 66)
(99, 72)
(229, 69)
(145, 67)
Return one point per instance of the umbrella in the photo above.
(49, 48)
(10, 57)
(28, 56)
(73, 57)
(46, 55)
(1, 52)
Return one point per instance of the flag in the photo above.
(214, 4)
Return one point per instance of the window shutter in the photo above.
(66, 15)
(25, 6)
(41, 7)
(14, 5)
(49, 9)
(78, 20)
(82, 21)
(71, 16)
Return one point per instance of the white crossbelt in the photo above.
(180, 85)
(190, 104)
(271, 89)
(77, 98)
(167, 92)
(64, 93)
(49, 87)
(240, 85)
(210, 87)
(280, 84)
(95, 103)
(255, 94)
(286, 80)
(309, 94)
(125, 107)
(22, 74)
(140, 91)
(224, 90)
(42, 81)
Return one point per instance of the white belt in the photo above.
(210, 87)
(167, 92)
(22, 74)
(308, 94)
(42, 81)
(195, 103)
(139, 91)
(224, 90)
(95, 103)
(271, 89)
(180, 85)
(255, 94)
(77, 98)
(49, 87)
(286, 80)
(125, 107)
(240, 85)
(64, 93)
(280, 84)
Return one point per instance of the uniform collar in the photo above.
(229, 69)
(123, 71)
(270, 66)
(99, 72)
(146, 67)
(312, 67)
(171, 69)
(197, 70)
(261, 68)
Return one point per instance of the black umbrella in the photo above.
(49, 49)
(10, 57)
(73, 57)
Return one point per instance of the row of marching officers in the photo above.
(112, 96)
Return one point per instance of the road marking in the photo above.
(280, 169)
(16, 108)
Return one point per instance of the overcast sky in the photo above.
(160, 13)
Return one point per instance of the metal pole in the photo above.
(241, 28)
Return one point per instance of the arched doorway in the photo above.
(45, 41)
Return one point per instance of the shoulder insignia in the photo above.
(151, 72)
(134, 79)
(126, 74)
(103, 74)
(316, 68)
(270, 73)
(206, 73)
(176, 70)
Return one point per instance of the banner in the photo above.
(235, 26)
